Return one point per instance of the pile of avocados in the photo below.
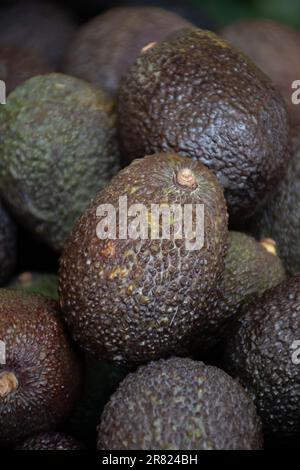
(149, 230)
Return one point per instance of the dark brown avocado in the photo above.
(197, 96)
(104, 48)
(132, 297)
(40, 373)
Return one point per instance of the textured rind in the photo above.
(197, 96)
(40, 354)
(179, 404)
(51, 441)
(135, 300)
(259, 353)
(8, 244)
(280, 217)
(17, 64)
(41, 26)
(58, 148)
(249, 270)
(104, 48)
(274, 47)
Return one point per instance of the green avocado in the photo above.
(58, 148)
(179, 404)
(197, 96)
(40, 372)
(104, 48)
(251, 268)
(262, 353)
(37, 283)
(8, 245)
(141, 295)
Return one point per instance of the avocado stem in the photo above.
(269, 245)
(148, 46)
(8, 383)
(186, 178)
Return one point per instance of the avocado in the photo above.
(38, 283)
(51, 441)
(101, 379)
(8, 245)
(260, 353)
(58, 148)
(179, 404)
(274, 47)
(104, 48)
(37, 25)
(251, 268)
(195, 95)
(17, 64)
(141, 294)
(40, 378)
(280, 217)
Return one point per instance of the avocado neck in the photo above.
(8, 383)
(186, 179)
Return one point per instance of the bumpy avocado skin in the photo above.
(179, 404)
(37, 283)
(42, 358)
(51, 441)
(132, 300)
(274, 47)
(249, 270)
(280, 217)
(8, 245)
(197, 96)
(260, 354)
(104, 48)
(58, 148)
(17, 64)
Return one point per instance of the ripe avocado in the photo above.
(132, 299)
(17, 64)
(260, 354)
(51, 441)
(8, 245)
(41, 377)
(38, 283)
(275, 48)
(197, 96)
(58, 148)
(41, 26)
(104, 48)
(179, 404)
(280, 217)
(251, 268)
